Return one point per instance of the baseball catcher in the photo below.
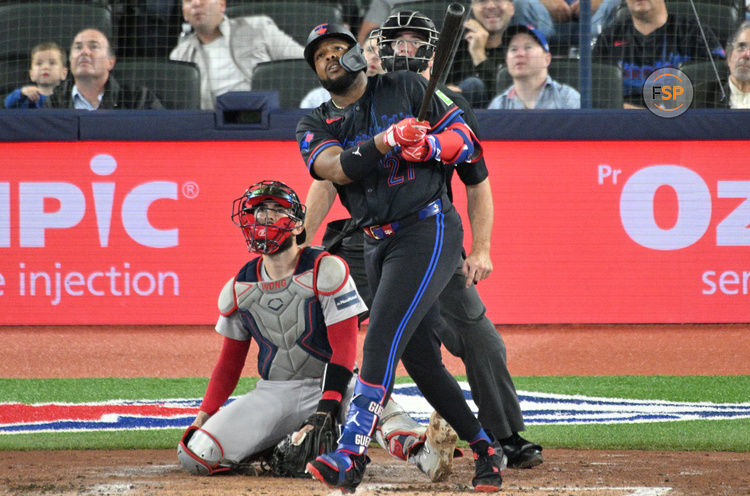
(300, 306)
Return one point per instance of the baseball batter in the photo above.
(407, 42)
(300, 306)
(388, 169)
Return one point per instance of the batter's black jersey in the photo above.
(395, 188)
(676, 42)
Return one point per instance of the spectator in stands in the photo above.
(651, 39)
(320, 95)
(49, 67)
(555, 17)
(527, 59)
(736, 92)
(93, 87)
(377, 12)
(227, 50)
(480, 54)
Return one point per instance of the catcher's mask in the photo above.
(267, 213)
(352, 61)
(388, 34)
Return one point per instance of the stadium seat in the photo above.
(292, 78)
(704, 71)
(14, 73)
(177, 84)
(606, 81)
(722, 19)
(703, 77)
(24, 25)
(296, 18)
(434, 9)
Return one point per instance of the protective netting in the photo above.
(606, 62)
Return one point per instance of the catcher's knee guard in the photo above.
(199, 453)
(397, 432)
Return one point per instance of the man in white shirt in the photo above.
(733, 93)
(227, 50)
(738, 58)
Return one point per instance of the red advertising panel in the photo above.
(140, 232)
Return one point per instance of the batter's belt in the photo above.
(385, 230)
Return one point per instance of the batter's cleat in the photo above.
(338, 470)
(488, 467)
(435, 457)
(521, 453)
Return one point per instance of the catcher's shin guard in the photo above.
(362, 418)
(199, 453)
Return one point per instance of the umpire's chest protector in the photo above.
(284, 317)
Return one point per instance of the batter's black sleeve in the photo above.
(313, 136)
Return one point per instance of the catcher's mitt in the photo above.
(289, 458)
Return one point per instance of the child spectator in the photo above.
(49, 67)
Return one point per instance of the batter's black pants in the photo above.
(407, 272)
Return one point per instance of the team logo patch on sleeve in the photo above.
(305, 144)
(346, 300)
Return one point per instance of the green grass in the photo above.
(698, 435)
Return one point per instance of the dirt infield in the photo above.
(544, 350)
(564, 473)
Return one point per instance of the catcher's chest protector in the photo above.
(286, 320)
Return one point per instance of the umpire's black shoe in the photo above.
(520, 452)
(488, 467)
(339, 471)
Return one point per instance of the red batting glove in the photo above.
(422, 152)
(406, 132)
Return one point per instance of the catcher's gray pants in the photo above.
(470, 335)
(264, 416)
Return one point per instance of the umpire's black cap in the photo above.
(332, 30)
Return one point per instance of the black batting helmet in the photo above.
(398, 22)
(353, 60)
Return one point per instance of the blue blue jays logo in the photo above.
(306, 139)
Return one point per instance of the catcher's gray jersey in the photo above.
(287, 317)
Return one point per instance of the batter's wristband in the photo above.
(359, 161)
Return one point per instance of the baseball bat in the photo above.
(446, 45)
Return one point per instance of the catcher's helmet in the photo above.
(407, 20)
(261, 235)
(353, 60)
